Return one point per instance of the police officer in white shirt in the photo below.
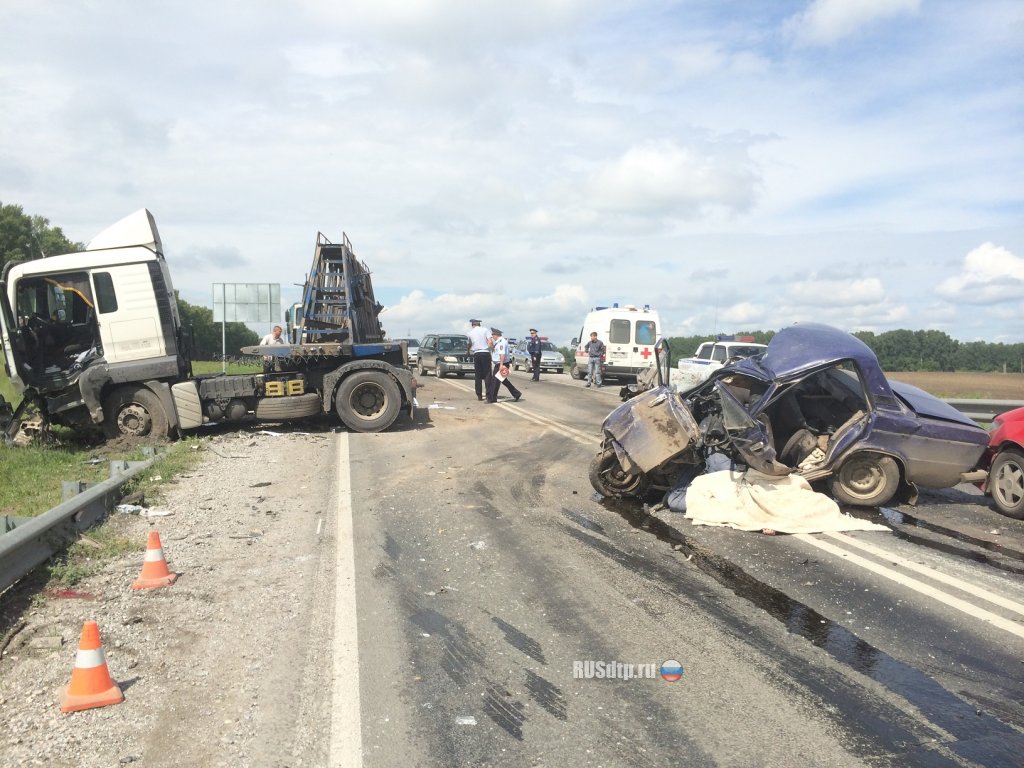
(480, 348)
(499, 360)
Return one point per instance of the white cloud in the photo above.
(837, 293)
(662, 178)
(825, 22)
(991, 274)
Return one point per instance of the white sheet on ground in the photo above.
(752, 501)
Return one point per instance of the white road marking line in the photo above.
(964, 586)
(346, 725)
(319, 526)
(953, 602)
(578, 435)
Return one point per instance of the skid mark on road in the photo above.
(504, 710)
(520, 640)
(547, 694)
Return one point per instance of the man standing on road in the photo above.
(479, 348)
(595, 350)
(499, 374)
(271, 339)
(533, 346)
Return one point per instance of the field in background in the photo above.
(964, 384)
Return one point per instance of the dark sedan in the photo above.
(815, 403)
(444, 354)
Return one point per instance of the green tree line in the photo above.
(206, 334)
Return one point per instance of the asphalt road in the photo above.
(488, 581)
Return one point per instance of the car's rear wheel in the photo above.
(609, 478)
(1006, 482)
(866, 480)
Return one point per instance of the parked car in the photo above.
(1005, 459)
(816, 403)
(551, 359)
(444, 354)
(412, 350)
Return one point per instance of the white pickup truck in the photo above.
(712, 355)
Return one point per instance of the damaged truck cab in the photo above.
(95, 338)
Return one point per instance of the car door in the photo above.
(428, 353)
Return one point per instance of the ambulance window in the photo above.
(646, 332)
(106, 299)
(619, 332)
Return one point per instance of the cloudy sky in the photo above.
(736, 164)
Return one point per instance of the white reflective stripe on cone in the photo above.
(87, 659)
(154, 555)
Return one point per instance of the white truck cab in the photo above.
(629, 334)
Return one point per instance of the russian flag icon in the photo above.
(671, 670)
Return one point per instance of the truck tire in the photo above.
(287, 408)
(575, 372)
(368, 401)
(1006, 482)
(134, 412)
(866, 480)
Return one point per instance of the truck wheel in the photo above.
(609, 479)
(286, 408)
(134, 412)
(368, 401)
(866, 480)
(1006, 483)
(575, 372)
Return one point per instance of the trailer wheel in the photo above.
(291, 407)
(609, 478)
(368, 401)
(866, 480)
(134, 412)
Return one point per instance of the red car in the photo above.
(1005, 459)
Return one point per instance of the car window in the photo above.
(646, 332)
(718, 353)
(745, 351)
(547, 346)
(704, 353)
(619, 332)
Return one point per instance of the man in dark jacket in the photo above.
(533, 346)
(595, 350)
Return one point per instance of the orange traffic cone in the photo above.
(154, 567)
(90, 684)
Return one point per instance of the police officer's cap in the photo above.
(533, 330)
(495, 331)
(474, 322)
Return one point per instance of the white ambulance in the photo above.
(629, 334)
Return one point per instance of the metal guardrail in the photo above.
(33, 541)
(985, 410)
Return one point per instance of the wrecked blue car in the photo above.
(815, 403)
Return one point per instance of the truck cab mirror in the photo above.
(575, 342)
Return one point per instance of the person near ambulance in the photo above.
(595, 350)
